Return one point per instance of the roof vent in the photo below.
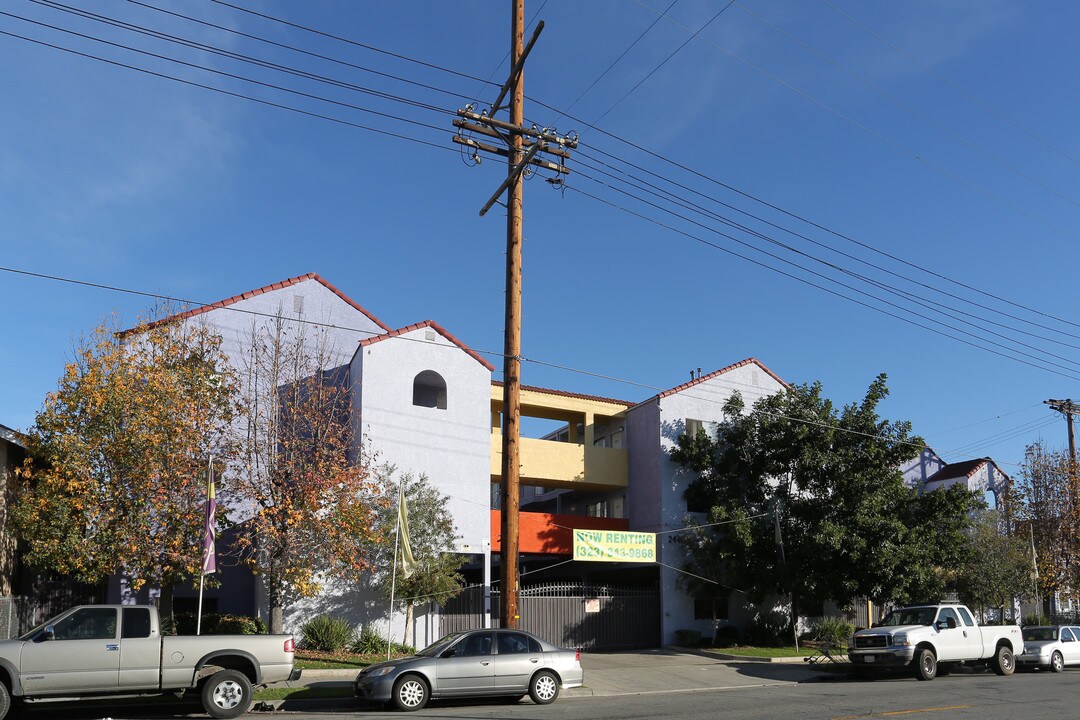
(298, 304)
(430, 335)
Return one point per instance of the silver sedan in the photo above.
(1050, 646)
(475, 663)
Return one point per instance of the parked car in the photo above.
(930, 640)
(1050, 646)
(475, 663)
(118, 650)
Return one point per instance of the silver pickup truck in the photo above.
(96, 651)
(930, 640)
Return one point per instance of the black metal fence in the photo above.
(571, 614)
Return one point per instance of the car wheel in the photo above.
(1003, 662)
(544, 688)
(925, 664)
(1057, 663)
(410, 693)
(5, 701)
(227, 694)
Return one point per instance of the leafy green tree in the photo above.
(850, 526)
(998, 565)
(432, 536)
(115, 480)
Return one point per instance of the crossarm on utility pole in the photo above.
(516, 70)
(513, 175)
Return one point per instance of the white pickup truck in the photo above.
(933, 639)
(98, 651)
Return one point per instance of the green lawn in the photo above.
(318, 660)
(304, 693)
(767, 652)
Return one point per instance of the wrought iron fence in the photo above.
(571, 614)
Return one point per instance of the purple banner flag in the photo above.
(209, 564)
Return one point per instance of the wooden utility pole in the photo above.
(510, 487)
(1067, 408)
(521, 154)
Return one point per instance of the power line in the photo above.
(696, 238)
(788, 213)
(208, 87)
(223, 73)
(682, 186)
(663, 209)
(678, 165)
(349, 86)
(665, 60)
(929, 304)
(820, 275)
(355, 43)
(332, 326)
(616, 61)
(826, 246)
(227, 92)
(885, 138)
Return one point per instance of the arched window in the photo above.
(429, 390)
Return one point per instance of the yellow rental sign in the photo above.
(614, 546)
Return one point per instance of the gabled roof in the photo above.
(12, 436)
(437, 328)
(254, 293)
(962, 469)
(721, 371)
(563, 393)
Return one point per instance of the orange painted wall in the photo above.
(550, 534)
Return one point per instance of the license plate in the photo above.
(869, 659)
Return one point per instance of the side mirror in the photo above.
(940, 625)
(49, 633)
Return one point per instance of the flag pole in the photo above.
(393, 576)
(207, 527)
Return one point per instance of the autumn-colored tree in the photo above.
(115, 478)
(997, 566)
(307, 503)
(432, 536)
(1044, 498)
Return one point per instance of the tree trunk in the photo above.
(794, 628)
(409, 620)
(274, 604)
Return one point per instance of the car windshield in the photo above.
(51, 621)
(439, 645)
(1040, 633)
(910, 616)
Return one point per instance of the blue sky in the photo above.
(948, 155)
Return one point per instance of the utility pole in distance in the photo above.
(1067, 408)
(521, 156)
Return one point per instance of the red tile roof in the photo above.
(563, 393)
(721, 371)
(962, 469)
(437, 328)
(254, 293)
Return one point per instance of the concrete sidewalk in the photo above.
(661, 670)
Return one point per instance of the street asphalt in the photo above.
(662, 670)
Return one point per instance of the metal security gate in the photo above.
(571, 614)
